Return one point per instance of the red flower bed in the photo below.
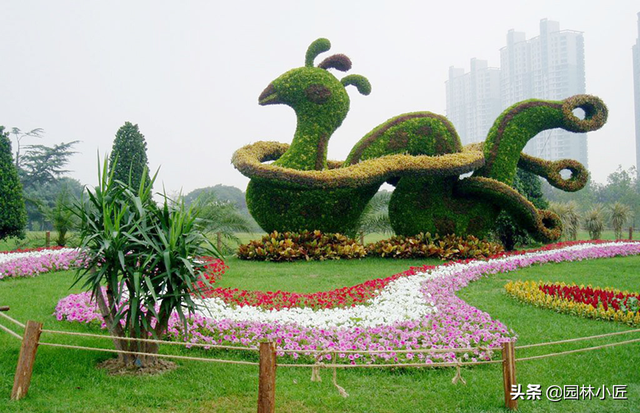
(615, 299)
(31, 249)
(213, 270)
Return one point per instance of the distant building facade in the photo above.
(636, 93)
(473, 100)
(549, 66)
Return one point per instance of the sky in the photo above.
(189, 73)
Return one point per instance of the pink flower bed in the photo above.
(453, 323)
(30, 263)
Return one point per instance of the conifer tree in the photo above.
(13, 215)
(129, 155)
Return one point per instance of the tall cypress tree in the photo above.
(13, 215)
(129, 154)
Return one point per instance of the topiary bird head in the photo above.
(314, 93)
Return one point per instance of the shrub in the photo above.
(449, 247)
(619, 215)
(594, 222)
(305, 245)
(141, 262)
(570, 217)
(13, 215)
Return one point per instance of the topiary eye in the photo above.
(317, 93)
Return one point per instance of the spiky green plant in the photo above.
(619, 215)
(570, 217)
(144, 255)
(594, 221)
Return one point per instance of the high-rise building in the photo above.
(473, 100)
(636, 93)
(549, 66)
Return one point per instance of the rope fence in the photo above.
(268, 358)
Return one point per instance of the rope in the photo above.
(351, 366)
(458, 376)
(341, 389)
(578, 350)
(576, 339)
(11, 332)
(246, 363)
(422, 350)
(147, 340)
(12, 320)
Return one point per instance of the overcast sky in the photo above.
(189, 72)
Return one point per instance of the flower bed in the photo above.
(412, 310)
(345, 296)
(590, 302)
(30, 263)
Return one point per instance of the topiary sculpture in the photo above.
(420, 153)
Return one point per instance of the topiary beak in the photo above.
(269, 96)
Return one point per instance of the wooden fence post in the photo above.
(47, 239)
(26, 360)
(267, 383)
(630, 233)
(509, 374)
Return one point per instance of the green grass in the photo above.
(312, 276)
(68, 381)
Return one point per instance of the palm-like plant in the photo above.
(594, 221)
(223, 219)
(570, 217)
(61, 216)
(375, 217)
(141, 261)
(619, 215)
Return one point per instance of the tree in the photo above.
(41, 199)
(130, 151)
(13, 216)
(61, 215)
(141, 262)
(19, 135)
(570, 217)
(225, 193)
(375, 217)
(222, 218)
(594, 221)
(42, 164)
(507, 229)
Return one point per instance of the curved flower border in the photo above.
(411, 312)
(589, 302)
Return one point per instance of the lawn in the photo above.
(67, 380)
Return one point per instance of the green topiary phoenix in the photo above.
(420, 153)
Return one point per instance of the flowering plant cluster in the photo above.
(214, 268)
(30, 263)
(345, 296)
(415, 310)
(31, 250)
(590, 302)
